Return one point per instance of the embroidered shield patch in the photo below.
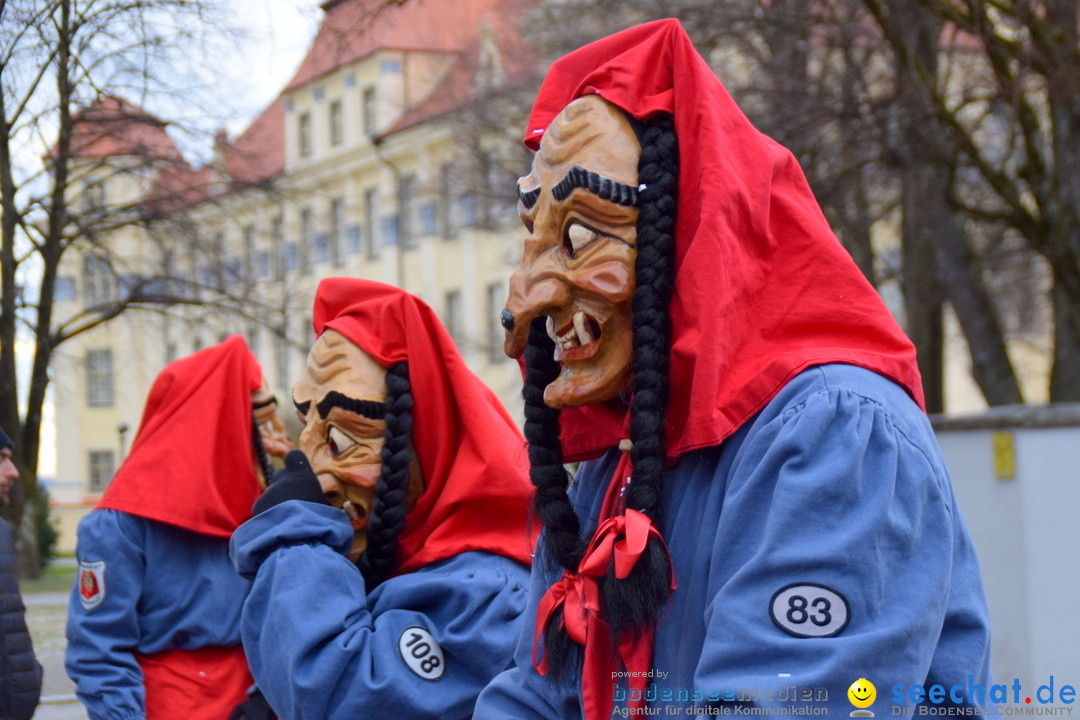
(91, 583)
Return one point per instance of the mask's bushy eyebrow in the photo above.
(528, 199)
(603, 187)
(367, 408)
(265, 403)
(303, 407)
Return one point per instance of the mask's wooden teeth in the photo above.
(581, 325)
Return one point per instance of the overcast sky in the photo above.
(279, 32)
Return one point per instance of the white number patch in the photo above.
(809, 610)
(421, 653)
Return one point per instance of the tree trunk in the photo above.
(960, 273)
(1065, 374)
(922, 294)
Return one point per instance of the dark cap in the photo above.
(5, 441)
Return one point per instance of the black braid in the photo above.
(388, 511)
(260, 451)
(561, 526)
(634, 604)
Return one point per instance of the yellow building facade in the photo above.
(354, 170)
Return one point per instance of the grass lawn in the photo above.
(55, 578)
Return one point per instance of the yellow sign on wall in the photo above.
(1004, 456)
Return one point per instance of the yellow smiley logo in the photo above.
(862, 693)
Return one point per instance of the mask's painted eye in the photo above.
(338, 442)
(578, 237)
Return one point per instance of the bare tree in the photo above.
(815, 75)
(55, 57)
(1003, 92)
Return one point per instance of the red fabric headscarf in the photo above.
(193, 462)
(477, 493)
(763, 289)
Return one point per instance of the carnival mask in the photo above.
(341, 401)
(579, 206)
(271, 430)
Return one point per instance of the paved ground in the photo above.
(46, 614)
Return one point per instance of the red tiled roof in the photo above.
(258, 153)
(176, 187)
(353, 29)
(516, 60)
(113, 127)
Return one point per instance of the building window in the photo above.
(453, 316)
(446, 194)
(253, 337)
(93, 197)
(467, 204)
(371, 212)
(262, 264)
(277, 239)
(97, 281)
(307, 239)
(284, 379)
(307, 331)
(352, 239)
(65, 288)
(171, 352)
(495, 294)
(427, 216)
(367, 102)
(99, 378)
(388, 229)
(406, 202)
(320, 248)
(336, 127)
(304, 134)
(337, 224)
(102, 467)
(249, 253)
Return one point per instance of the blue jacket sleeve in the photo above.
(421, 645)
(839, 554)
(20, 672)
(103, 629)
(521, 693)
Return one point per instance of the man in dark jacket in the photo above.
(20, 672)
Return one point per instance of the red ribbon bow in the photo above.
(622, 540)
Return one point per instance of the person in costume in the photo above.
(763, 514)
(154, 619)
(389, 575)
(20, 672)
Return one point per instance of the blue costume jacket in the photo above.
(162, 588)
(421, 645)
(819, 544)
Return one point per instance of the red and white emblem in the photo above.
(91, 583)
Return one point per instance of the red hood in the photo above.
(193, 463)
(763, 289)
(476, 488)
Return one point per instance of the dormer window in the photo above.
(93, 197)
(336, 126)
(304, 134)
(367, 101)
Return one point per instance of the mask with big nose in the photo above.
(341, 401)
(579, 206)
